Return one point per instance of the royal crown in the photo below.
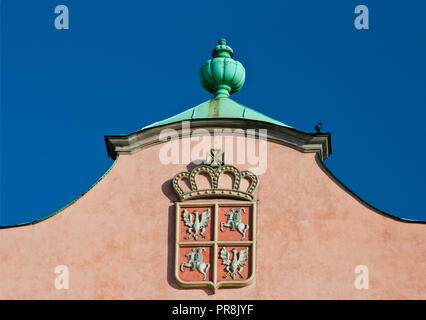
(214, 169)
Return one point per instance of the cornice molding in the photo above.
(319, 143)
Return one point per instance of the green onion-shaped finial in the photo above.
(222, 75)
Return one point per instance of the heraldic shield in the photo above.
(215, 244)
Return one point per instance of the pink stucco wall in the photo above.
(118, 240)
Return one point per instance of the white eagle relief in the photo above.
(198, 225)
(236, 265)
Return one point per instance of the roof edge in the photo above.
(319, 143)
(330, 174)
(64, 207)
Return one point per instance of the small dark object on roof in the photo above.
(318, 127)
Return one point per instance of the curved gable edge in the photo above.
(327, 171)
(64, 207)
(293, 138)
(320, 143)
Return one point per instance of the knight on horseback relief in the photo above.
(215, 243)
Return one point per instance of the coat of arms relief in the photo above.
(215, 243)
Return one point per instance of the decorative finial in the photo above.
(222, 50)
(222, 75)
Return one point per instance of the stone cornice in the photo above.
(293, 138)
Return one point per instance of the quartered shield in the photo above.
(215, 243)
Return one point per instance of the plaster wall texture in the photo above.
(118, 239)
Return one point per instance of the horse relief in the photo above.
(234, 221)
(195, 261)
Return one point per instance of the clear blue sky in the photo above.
(125, 64)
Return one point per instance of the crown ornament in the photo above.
(215, 166)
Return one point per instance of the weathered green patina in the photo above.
(221, 76)
(218, 108)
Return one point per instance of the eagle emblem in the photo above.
(235, 265)
(198, 225)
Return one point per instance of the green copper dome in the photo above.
(222, 75)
